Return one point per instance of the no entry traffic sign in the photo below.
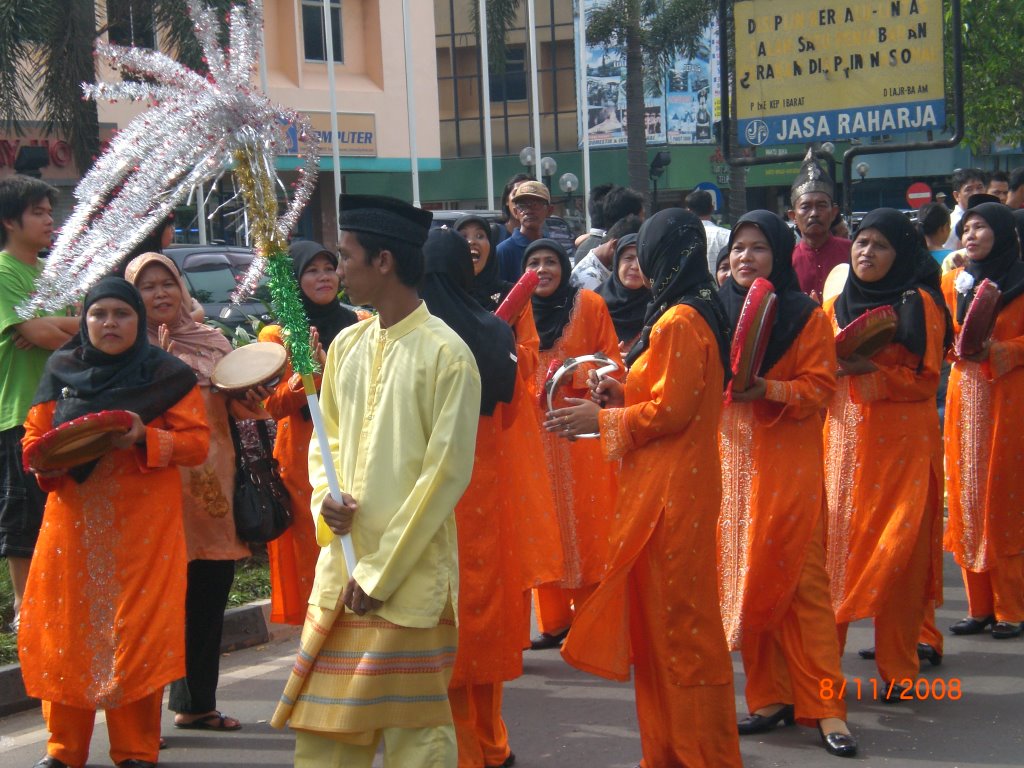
(918, 194)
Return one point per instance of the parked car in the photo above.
(212, 273)
(555, 227)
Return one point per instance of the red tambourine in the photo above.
(76, 442)
(979, 320)
(754, 328)
(868, 333)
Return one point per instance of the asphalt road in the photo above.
(560, 717)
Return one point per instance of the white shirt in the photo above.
(953, 242)
(718, 238)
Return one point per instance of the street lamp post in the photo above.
(527, 158)
(568, 183)
(548, 168)
(658, 164)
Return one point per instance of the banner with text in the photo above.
(817, 71)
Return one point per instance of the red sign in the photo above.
(918, 194)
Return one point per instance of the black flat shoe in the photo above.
(892, 694)
(544, 641)
(925, 652)
(838, 744)
(51, 762)
(509, 762)
(1003, 630)
(866, 653)
(760, 723)
(133, 763)
(972, 626)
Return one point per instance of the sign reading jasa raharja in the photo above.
(810, 71)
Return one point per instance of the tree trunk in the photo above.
(85, 128)
(636, 133)
(736, 205)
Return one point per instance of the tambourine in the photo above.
(979, 320)
(571, 364)
(76, 442)
(868, 333)
(835, 282)
(753, 330)
(261, 363)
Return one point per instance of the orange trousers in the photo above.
(555, 605)
(999, 591)
(690, 726)
(929, 632)
(797, 661)
(900, 620)
(134, 730)
(479, 729)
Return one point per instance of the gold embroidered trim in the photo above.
(616, 439)
(734, 521)
(165, 447)
(844, 419)
(973, 462)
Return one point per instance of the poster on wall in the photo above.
(682, 110)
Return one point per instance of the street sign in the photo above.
(918, 194)
(716, 193)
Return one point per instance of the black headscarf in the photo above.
(328, 319)
(912, 268)
(488, 288)
(794, 307)
(449, 273)
(627, 306)
(82, 379)
(551, 313)
(1003, 264)
(672, 253)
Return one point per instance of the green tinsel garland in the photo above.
(289, 312)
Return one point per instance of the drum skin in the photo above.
(867, 334)
(246, 367)
(76, 442)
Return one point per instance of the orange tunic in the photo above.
(883, 469)
(773, 483)
(294, 553)
(985, 444)
(103, 620)
(583, 485)
(658, 604)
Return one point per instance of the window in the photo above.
(313, 38)
(512, 85)
(130, 23)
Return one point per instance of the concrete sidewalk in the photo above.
(244, 627)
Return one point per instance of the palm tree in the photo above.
(652, 33)
(46, 54)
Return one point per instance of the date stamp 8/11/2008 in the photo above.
(907, 689)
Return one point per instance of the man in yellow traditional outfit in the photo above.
(401, 401)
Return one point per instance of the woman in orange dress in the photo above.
(571, 322)
(771, 539)
(293, 554)
(490, 647)
(536, 542)
(985, 431)
(103, 620)
(883, 461)
(658, 607)
(625, 294)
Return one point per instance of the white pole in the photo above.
(581, 99)
(201, 214)
(531, 32)
(263, 59)
(335, 147)
(410, 101)
(485, 94)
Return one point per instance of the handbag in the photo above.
(262, 508)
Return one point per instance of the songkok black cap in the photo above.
(981, 197)
(812, 178)
(385, 216)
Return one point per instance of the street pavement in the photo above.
(558, 716)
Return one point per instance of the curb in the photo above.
(244, 627)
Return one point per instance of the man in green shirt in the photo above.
(26, 228)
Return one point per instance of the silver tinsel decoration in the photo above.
(194, 130)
